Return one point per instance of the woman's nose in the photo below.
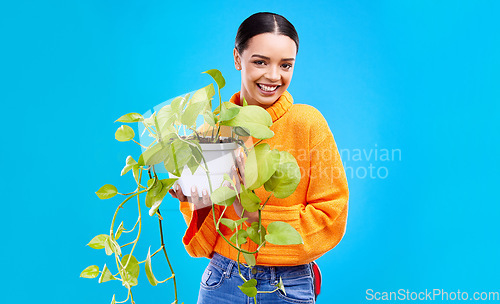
(273, 74)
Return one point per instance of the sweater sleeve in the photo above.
(199, 242)
(321, 220)
(324, 217)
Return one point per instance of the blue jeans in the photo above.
(220, 281)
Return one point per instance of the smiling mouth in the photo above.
(268, 88)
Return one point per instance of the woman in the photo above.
(265, 51)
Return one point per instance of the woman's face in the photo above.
(266, 68)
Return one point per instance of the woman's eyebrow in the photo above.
(267, 58)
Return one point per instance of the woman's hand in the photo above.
(194, 199)
(237, 175)
(204, 202)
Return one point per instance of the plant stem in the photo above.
(260, 226)
(217, 134)
(159, 249)
(139, 144)
(131, 297)
(257, 142)
(166, 256)
(138, 232)
(127, 244)
(238, 262)
(261, 208)
(151, 131)
(120, 206)
(268, 291)
(132, 228)
(125, 194)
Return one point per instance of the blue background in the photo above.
(421, 77)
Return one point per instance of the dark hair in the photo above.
(261, 23)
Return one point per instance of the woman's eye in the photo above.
(259, 62)
(287, 66)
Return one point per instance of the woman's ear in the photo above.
(237, 59)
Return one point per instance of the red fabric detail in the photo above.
(317, 278)
(198, 217)
(201, 215)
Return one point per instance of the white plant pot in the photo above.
(220, 158)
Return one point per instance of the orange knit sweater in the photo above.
(318, 207)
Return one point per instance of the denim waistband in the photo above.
(272, 273)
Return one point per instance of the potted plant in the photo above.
(186, 151)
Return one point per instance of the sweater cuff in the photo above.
(200, 242)
(285, 254)
(288, 214)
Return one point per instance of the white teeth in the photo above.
(267, 88)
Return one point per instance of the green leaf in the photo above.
(154, 155)
(133, 265)
(131, 272)
(195, 160)
(229, 223)
(178, 154)
(260, 165)
(281, 233)
(241, 131)
(149, 271)
(241, 221)
(106, 191)
(175, 105)
(217, 76)
(115, 246)
(193, 109)
(249, 288)
(113, 301)
(228, 114)
(155, 207)
(242, 237)
(124, 133)
(254, 119)
(130, 117)
(90, 272)
(98, 241)
(244, 102)
(156, 200)
(249, 200)
(250, 259)
(129, 163)
(204, 94)
(129, 280)
(165, 117)
(107, 247)
(119, 231)
(209, 118)
(232, 224)
(152, 194)
(223, 196)
(257, 130)
(253, 233)
(140, 162)
(227, 105)
(111, 246)
(286, 178)
(106, 275)
(281, 286)
(135, 172)
(168, 182)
